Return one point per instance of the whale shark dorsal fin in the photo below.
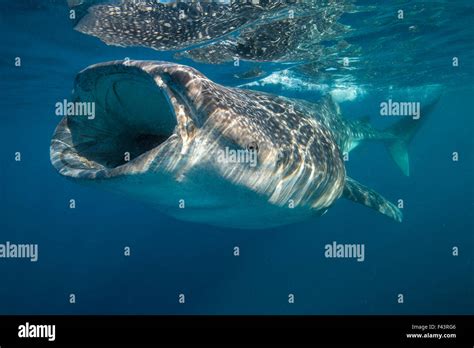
(328, 102)
(361, 194)
(364, 119)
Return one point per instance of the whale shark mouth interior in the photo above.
(132, 116)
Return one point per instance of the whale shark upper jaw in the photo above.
(135, 123)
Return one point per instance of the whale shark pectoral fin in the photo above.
(361, 194)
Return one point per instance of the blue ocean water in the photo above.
(81, 250)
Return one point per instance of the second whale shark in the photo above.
(165, 134)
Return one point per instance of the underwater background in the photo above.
(81, 250)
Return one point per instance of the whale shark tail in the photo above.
(397, 137)
(402, 133)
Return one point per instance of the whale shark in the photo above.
(163, 134)
(286, 40)
(165, 25)
(216, 31)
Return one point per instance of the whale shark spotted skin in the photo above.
(217, 31)
(169, 25)
(161, 128)
(284, 40)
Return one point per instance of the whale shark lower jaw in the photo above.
(137, 117)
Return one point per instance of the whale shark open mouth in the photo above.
(129, 117)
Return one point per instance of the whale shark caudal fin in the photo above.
(403, 132)
(358, 193)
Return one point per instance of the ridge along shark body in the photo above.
(160, 130)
